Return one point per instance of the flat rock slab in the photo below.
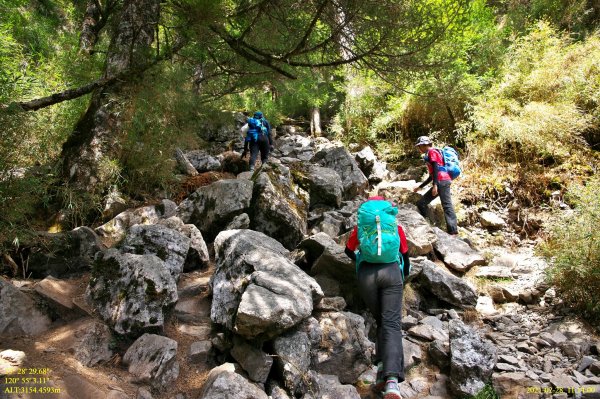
(456, 253)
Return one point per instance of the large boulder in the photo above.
(169, 245)
(252, 359)
(323, 184)
(375, 170)
(344, 349)
(257, 291)
(115, 230)
(472, 360)
(202, 161)
(296, 146)
(212, 207)
(328, 387)
(399, 191)
(19, 314)
(65, 253)
(339, 159)
(197, 256)
(325, 257)
(152, 360)
(456, 253)
(279, 208)
(224, 382)
(445, 285)
(292, 350)
(131, 292)
(419, 233)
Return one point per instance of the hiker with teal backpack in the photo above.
(443, 168)
(379, 247)
(258, 138)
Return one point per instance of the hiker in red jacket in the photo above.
(441, 184)
(381, 287)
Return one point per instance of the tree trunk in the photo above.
(89, 27)
(92, 151)
(315, 121)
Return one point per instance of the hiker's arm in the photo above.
(350, 253)
(406, 260)
(352, 244)
(425, 182)
(435, 171)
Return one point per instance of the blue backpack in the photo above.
(378, 233)
(451, 162)
(257, 127)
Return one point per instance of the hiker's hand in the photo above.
(434, 191)
(416, 189)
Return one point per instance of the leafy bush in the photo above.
(573, 246)
(545, 100)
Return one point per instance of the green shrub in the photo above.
(545, 100)
(573, 246)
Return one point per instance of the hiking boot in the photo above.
(391, 389)
(379, 381)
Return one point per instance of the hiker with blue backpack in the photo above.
(258, 138)
(443, 168)
(378, 246)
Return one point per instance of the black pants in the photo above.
(444, 193)
(380, 286)
(262, 145)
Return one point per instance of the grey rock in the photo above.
(344, 349)
(491, 220)
(169, 245)
(212, 207)
(223, 382)
(143, 393)
(131, 292)
(115, 230)
(200, 353)
(239, 222)
(455, 253)
(253, 360)
(330, 286)
(340, 160)
(202, 161)
(323, 184)
(494, 272)
(586, 361)
(197, 256)
(419, 234)
(428, 333)
(472, 359)
(331, 303)
(446, 286)
(511, 384)
(277, 392)
(279, 208)
(93, 344)
(19, 314)
(256, 289)
(152, 360)
(412, 353)
(11, 361)
(329, 387)
(59, 294)
(439, 353)
(292, 351)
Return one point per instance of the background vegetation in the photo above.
(514, 85)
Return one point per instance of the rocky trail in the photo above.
(242, 290)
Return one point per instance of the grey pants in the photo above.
(444, 193)
(262, 146)
(380, 286)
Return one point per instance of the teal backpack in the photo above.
(378, 233)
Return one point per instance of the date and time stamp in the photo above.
(28, 381)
